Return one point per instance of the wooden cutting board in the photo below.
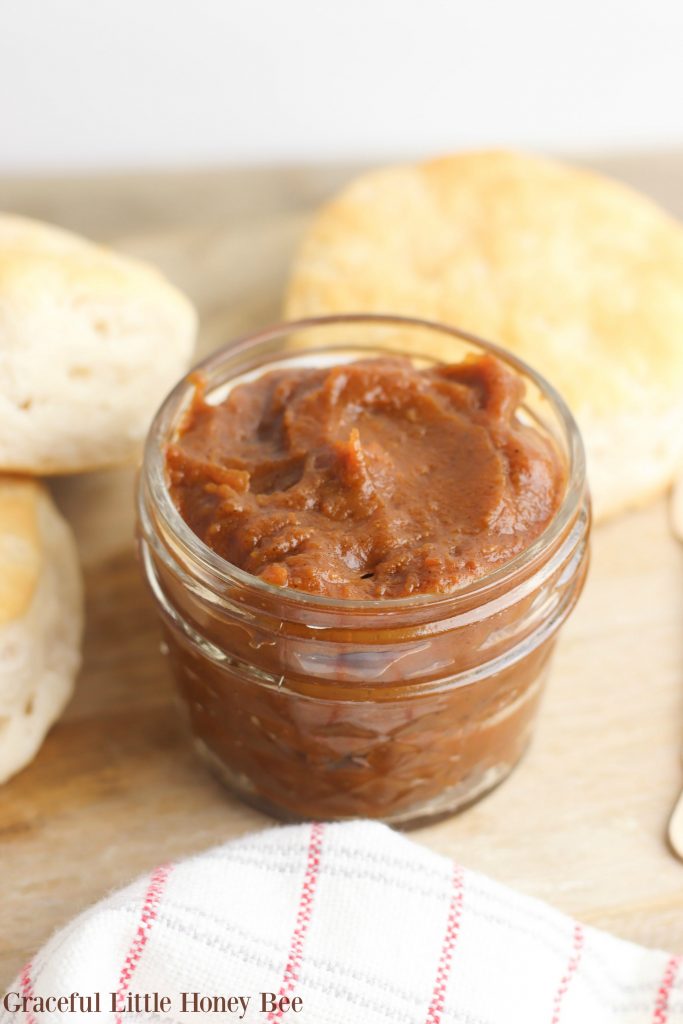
(116, 788)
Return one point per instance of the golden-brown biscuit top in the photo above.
(20, 545)
(34, 255)
(579, 275)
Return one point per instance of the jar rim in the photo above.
(153, 476)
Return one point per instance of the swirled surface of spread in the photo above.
(370, 479)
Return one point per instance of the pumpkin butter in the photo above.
(423, 529)
(370, 479)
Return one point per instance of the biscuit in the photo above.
(41, 619)
(90, 342)
(575, 273)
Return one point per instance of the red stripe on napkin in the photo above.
(661, 1012)
(578, 940)
(303, 917)
(148, 916)
(445, 963)
(27, 990)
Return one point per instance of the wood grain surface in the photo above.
(116, 788)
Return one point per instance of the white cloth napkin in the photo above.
(355, 922)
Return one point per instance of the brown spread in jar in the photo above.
(396, 483)
(369, 479)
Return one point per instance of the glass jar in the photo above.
(399, 709)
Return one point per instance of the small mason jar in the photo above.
(401, 709)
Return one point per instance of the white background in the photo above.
(132, 83)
